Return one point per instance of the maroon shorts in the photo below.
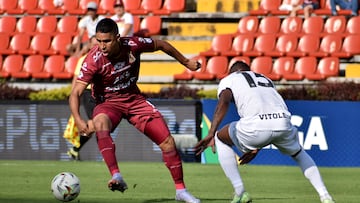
(139, 112)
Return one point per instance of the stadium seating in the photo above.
(69, 68)
(13, 65)
(58, 44)
(291, 25)
(266, 7)
(269, 25)
(334, 25)
(131, 5)
(303, 66)
(19, 42)
(23, 6)
(147, 6)
(7, 6)
(151, 25)
(313, 25)
(307, 44)
(54, 65)
(352, 25)
(327, 67)
(34, 65)
(263, 43)
(283, 65)
(106, 7)
(46, 6)
(216, 68)
(242, 43)
(247, 25)
(219, 44)
(7, 24)
(329, 44)
(263, 65)
(285, 43)
(68, 24)
(188, 74)
(350, 47)
(26, 24)
(4, 45)
(244, 59)
(3, 74)
(170, 6)
(40, 44)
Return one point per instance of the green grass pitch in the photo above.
(29, 181)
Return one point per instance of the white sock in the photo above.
(117, 176)
(229, 165)
(312, 173)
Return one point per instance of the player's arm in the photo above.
(167, 48)
(221, 108)
(74, 102)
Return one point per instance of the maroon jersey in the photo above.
(115, 79)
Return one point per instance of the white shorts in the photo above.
(286, 141)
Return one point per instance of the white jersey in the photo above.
(89, 24)
(259, 105)
(127, 18)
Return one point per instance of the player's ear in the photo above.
(118, 37)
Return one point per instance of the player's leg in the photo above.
(288, 143)
(157, 130)
(105, 119)
(228, 162)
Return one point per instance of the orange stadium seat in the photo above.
(69, 68)
(26, 24)
(19, 42)
(283, 65)
(54, 64)
(247, 25)
(285, 43)
(4, 45)
(334, 25)
(131, 5)
(263, 65)
(325, 8)
(307, 44)
(313, 25)
(147, 6)
(46, 6)
(7, 6)
(8, 24)
(70, 5)
(291, 25)
(266, 7)
(216, 68)
(352, 26)
(282, 12)
(263, 43)
(329, 44)
(350, 47)
(241, 43)
(40, 43)
(3, 74)
(82, 7)
(26, 6)
(303, 66)
(106, 7)
(269, 25)
(244, 59)
(68, 24)
(13, 64)
(220, 43)
(47, 24)
(151, 25)
(327, 67)
(170, 6)
(188, 74)
(34, 65)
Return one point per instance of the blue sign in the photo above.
(328, 130)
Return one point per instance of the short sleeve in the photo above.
(225, 83)
(83, 22)
(87, 70)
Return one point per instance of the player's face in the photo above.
(108, 43)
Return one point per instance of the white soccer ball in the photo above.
(65, 186)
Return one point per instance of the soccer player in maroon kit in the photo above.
(112, 68)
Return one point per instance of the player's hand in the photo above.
(249, 156)
(193, 64)
(91, 127)
(82, 127)
(208, 141)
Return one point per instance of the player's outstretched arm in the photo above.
(167, 48)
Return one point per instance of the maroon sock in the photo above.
(173, 163)
(107, 149)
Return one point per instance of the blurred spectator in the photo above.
(58, 3)
(86, 25)
(307, 5)
(124, 20)
(344, 4)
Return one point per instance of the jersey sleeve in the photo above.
(142, 44)
(82, 23)
(225, 83)
(87, 70)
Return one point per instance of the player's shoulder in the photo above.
(94, 55)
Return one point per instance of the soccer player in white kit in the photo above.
(264, 120)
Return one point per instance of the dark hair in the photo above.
(239, 65)
(107, 25)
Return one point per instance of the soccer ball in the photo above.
(65, 186)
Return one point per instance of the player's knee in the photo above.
(101, 122)
(168, 144)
